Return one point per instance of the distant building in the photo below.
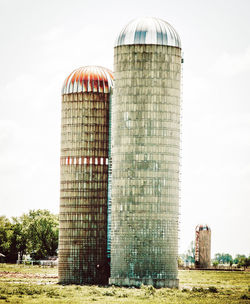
(202, 246)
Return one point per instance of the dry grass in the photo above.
(33, 284)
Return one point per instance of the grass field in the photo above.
(34, 284)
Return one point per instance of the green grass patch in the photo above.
(28, 269)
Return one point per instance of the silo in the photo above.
(202, 246)
(86, 94)
(145, 155)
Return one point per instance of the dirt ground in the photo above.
(19, 275)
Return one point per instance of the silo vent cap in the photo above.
(89, 79)
(202, 227)
(148, 30)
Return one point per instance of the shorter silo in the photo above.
(202, 246)
(86, 97)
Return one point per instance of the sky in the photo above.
(42, 42)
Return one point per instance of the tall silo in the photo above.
(145, 154)
(202, 246)
(86, 94)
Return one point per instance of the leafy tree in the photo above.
(238, 257)
(40, 228)
(228, 258)
(18, 240)
(217, 257)
(189, 256)
(5, 235)
(215, 263)
(247, 262)
(35, 233)
(180, 261)
(244, 262)
(9, 238)
(223, 258)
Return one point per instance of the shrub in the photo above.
(212, 289)
(52, 293)
(198, 289)
(215, 264)
(245, 297)
(148, 290)
(109, 292)
(28, 290)
(123, 295)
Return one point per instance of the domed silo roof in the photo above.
(202, 227)
(89, 79)
(148, 30)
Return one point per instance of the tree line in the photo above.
(34, 233)
(219, 258)
(225, 258)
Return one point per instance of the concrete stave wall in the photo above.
(145, 165)
(204, 249)
(84, 182)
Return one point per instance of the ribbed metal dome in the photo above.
(88, 79)
(148, 30)
(202, 227)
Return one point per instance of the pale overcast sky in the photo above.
(43, 41)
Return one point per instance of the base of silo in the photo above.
(102, 281)
(132, 282)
